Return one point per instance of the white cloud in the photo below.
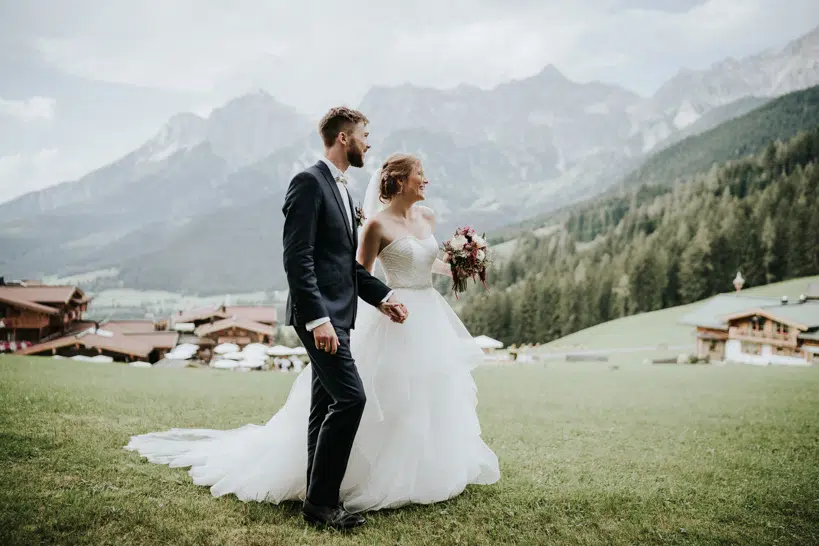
(315, 53)
(23, 173)
(34, 108)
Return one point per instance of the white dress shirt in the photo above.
(342, 188)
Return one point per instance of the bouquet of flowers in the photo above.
(467, 256)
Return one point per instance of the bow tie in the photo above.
(342, 179)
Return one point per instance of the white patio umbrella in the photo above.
(280, 350)
(255, 348)
(225, 348)
(486, 342)
(252, 363)
(224, 364)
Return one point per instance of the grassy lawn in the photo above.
(648, 455)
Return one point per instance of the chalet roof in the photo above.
(258, 313)
(712, 313)
(115, 344)
(157, 340)
(25, 304)
(812, 335)
(129, 326)
(251, 325)
(111, 337)
(802, 315)
(199, 313)
(45, 294)
(265, 314)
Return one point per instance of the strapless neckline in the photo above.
(403, 237)
(407, 261)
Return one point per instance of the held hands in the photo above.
(325, 336)
(394, 309)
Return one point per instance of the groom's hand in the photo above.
(394, 309)
(325, 338)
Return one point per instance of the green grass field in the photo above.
(641, 455)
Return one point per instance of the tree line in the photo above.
(658, 246)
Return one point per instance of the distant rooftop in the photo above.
(798, 314)
(711, 313)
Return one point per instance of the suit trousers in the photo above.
(337, 403)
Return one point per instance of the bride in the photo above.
(419, 440)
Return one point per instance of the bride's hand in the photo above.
(394, 309)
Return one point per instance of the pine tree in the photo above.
(525, 313)
(648, 280)
(747, 245)
(695, 268)
(770, 249)
(622, 296)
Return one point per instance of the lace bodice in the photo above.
(407, 262)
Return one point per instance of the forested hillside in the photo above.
(660, 246)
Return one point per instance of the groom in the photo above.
(325, 282)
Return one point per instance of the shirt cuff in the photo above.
(313, 324)
(388, 296)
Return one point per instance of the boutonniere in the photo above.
(359, 216)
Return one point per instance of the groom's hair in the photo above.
(339, 119)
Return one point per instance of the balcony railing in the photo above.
(760, 336)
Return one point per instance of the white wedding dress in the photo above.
(419, 440)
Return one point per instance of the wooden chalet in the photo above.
(774, 335)
(263, 314)
(241, 331)
(123, 341)
(759, 331)
(31, 313)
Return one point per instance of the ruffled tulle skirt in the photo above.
(419, 440)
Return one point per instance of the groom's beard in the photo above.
(355, 158)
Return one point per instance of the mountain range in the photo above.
(198, 207)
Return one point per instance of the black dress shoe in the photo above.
(330, 516)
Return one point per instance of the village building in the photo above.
(240, 331)
(753, 330)
(31, 313)
(121, 341)
(209, 327)
(263, 314)
(43, 320)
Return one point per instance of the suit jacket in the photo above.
(323, 276)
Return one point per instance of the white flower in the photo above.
(481, 255)
(458, 242)
(479, 241)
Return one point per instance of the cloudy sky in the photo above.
(86, 81)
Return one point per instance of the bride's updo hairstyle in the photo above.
(395, 170)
